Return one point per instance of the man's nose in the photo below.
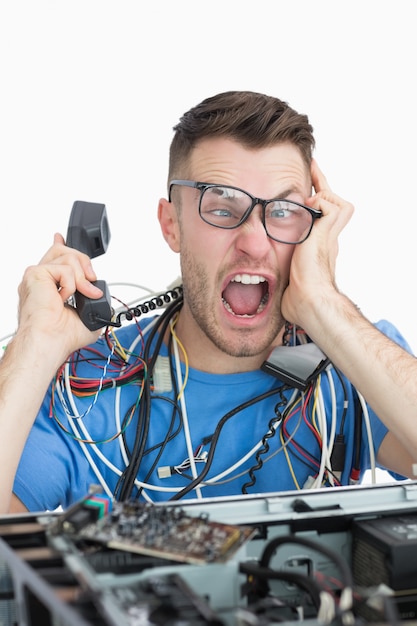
(252, 234)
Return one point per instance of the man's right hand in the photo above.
(43, 296)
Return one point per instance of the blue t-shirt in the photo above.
(244, 432)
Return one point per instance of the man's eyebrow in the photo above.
(286, 192)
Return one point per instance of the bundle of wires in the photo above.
(118, 366)
(330, 604)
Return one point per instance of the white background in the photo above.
(90, 91)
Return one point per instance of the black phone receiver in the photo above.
(89, 232)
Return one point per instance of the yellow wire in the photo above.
(120, 350)
(314, 408)
(174, 321)
(287, 456)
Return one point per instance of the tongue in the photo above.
(243, 299)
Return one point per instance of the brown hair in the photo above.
(253, 119)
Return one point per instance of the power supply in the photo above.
(384, 552)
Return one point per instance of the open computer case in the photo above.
(331, 556)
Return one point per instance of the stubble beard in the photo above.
(240, 343)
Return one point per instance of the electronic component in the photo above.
(162, 532)
(385, 553)
(162, 599)
(296, 366)
(293, 570)
(94, 506)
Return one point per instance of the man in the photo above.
(181, 405)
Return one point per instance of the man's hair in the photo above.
(255, 120)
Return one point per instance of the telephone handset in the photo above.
(89, 232)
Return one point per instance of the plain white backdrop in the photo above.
(90, 91)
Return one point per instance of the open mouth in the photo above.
(246, 295)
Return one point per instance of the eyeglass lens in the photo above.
(227, 207)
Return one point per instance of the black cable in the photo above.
(119, 489)
(125, 443)
(265, 572)
(356, 465)
(271, 547)
(169, 435)
(262, 574)
(149, 305)
(214, 439)
(129, 475)
(264, 449)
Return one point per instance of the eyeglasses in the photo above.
(224, 206)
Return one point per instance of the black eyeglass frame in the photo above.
(202, 187)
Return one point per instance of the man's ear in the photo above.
(168, 220)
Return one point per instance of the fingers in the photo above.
(325, 199)
(72, 270)
(69, 281)
(58, 238)
(44, 313)
(46, 288)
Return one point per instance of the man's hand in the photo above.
(49, 331)
(44, 292)
(312, 273)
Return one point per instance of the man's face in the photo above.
(234, 279)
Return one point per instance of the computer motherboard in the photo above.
(333, 556)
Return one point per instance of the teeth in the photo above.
(260, 308)
(229, 308)
(248, 279)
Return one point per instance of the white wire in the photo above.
(7, 337)
(226, 471)
(186, 425)
(117, 398)
(326, 451)
(214, 479)
(94, 447)
(370, 437)
(251, 452)
(333, 422)
(123, 450)
(77, 433)
(321, 415)
(87, 447)
(332, 435)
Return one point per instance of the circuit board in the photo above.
(167, 533)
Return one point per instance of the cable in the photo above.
(367, 421)
(305, 456)
(127, 481)
(134, 372)
(272, 546)
(188, 441)
(156, 302)
(272, 427)
(259, 576)
(214, 438)
(68, 380)
(356, 465)
(346, 597)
